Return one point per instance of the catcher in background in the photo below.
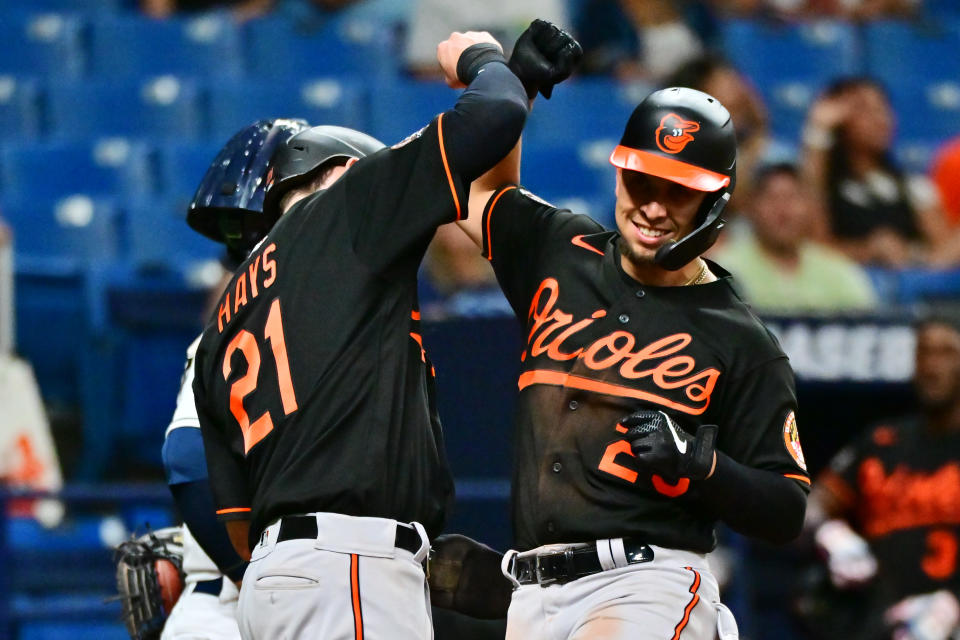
(886, 512)
(207, 608)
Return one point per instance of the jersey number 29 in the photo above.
(254, 432)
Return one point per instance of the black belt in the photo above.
(560, 567)
(211, 587)
(298, 527)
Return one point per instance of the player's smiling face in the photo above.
(652, 211)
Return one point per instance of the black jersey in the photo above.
(599, 345)
(900, 488)
(313, 388)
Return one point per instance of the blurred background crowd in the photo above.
(844, 224)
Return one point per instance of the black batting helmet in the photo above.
(306, 154)
(228, 204)
(685, 136)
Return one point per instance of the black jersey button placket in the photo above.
(557, 467)
(640, 293)
(624, 318)
(573, 405)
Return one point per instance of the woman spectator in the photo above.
(876, 213)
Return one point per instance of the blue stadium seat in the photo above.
(131, 45)
(159, 107)
(278, 47)
(400, 108)
(790, 64)
(42, 44)
(585, 109)
(182, 164)
(19, 108)
(898, 51)
(234, 105)
(108, 166)
(572, 170)
(158, 236)
(59, 248)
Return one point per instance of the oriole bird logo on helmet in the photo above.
(674, 133)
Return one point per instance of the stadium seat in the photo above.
(131, 45)
(182, 165)
(19, 108)
(159, 107)
(234, 105)
(59, 247)
(895, 52)
(158, 237)
(585, 109)
(41, 44)
(790, 64)
(280, 47)
(402, 107)
(108, 166)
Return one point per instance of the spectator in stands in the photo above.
(433, 20)
(945, 173)
(876, 213)
(641, 39)
(778, 265)
(457, 281)
(714, 75)
(28, 458)
(846, 9)
(886, 513)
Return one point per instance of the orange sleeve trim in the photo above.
(446, 167)
(233, 510)
(690, 605)
(560, 379)
(415, 315)
(794, 476)
(355, 596)
(489, 255)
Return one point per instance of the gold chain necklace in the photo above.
(700, 277)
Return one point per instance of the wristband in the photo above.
(474, 57)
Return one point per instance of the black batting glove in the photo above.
(667, 450)
(543, 56)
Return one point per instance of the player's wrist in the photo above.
(473, 59)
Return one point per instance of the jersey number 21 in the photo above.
(254, 432)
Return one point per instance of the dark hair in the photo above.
(695, 72)
(766, 171)
(940, 313)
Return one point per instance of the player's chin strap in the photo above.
(675, 255)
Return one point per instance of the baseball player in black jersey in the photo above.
(887, 509)
(230, 193)
(652, 402)
(313, 388)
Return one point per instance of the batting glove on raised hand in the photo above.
(667, 450)
(543, 56)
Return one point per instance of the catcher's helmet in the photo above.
(228, 204)
(306, 154)
(685, 136)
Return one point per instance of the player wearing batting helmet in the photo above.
(228, 208)
(652, 402)
(314, 390)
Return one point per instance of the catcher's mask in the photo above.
(228, 204)
(306, 154)
(685, 136)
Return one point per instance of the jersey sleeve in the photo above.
(397, 198)
(224, 464)
(182, 453)
(760, 421)
(517, 228)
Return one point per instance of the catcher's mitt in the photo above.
(149, 580)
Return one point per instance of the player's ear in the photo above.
(351, 162)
